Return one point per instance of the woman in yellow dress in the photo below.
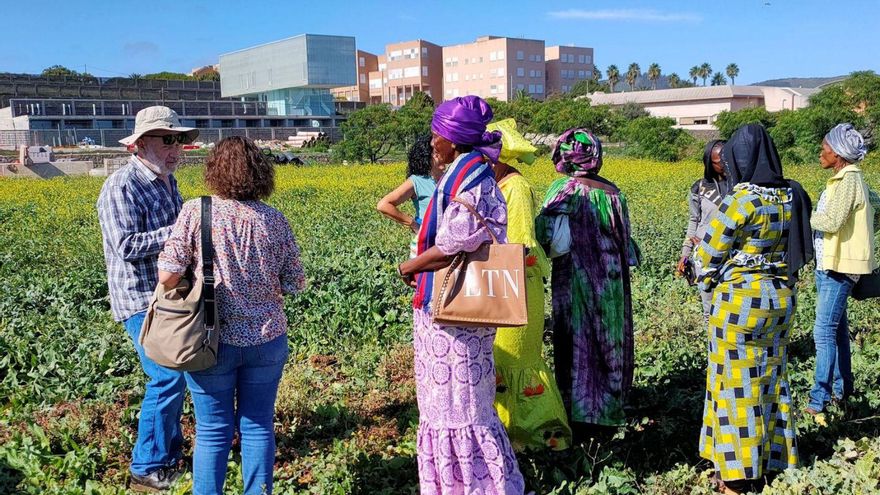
(527, 398)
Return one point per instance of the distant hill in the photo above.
(799, 82)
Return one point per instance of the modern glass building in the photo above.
(292, 76)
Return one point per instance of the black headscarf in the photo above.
(750, 156)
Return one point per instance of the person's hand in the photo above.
(407, 278)
(695, 241)
(414, 226)
(679, 269)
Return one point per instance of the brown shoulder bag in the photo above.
(181, 330)
(485, 288)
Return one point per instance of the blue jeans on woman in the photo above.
(831, 334)
(160, 440)
(238, 393)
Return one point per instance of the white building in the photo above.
(697, 108)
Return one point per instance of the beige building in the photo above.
(204, 71)
(566, 65)
(405, 69)
(698, 108)
(494, 67)
(366, 62)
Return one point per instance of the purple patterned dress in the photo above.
(462, 446)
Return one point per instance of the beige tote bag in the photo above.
(181, 330)
(486, 288)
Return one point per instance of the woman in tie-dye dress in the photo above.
(462, 446)
(592, 307)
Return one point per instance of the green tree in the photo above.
(368, 134)
(718, 79)
(59, 71)
(673, 80)
(585, 87)
(732, 72)
(414, 117)
(135, 76)
(175, 76)
(654, 74)
(209, 76)
(556, 115)
(694, 73)
(597, 74)
(656, 139)
(705, 71)
(613, 74)
(632, 74)
(727, 122)
(631, 111)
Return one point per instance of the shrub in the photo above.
(656, 139)
(728, 122)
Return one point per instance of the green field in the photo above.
(70, 382)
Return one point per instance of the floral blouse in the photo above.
(256, 261)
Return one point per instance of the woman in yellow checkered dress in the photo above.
(748, 429)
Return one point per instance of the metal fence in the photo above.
(110, 137)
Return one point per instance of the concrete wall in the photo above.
(491, 67)
(46, 170)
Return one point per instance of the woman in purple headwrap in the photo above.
(462, 446)
(585, 225)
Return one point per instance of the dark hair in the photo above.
(419, 157)
(237, 169)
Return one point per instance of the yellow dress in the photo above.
(527, 398)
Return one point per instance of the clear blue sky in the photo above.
(787, 38)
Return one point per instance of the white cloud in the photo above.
(644, 15)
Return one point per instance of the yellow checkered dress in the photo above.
(747, 424)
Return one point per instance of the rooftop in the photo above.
(677, 94)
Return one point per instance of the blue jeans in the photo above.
(159, 439)
(237, 393)
(831, 334)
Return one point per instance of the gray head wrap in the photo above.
(846, 141)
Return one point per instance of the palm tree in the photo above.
(613, 74)
(597, 74)
(694, 73)
(718, 79)
(705, 71)
(654, 74)
(633, 73)
(673, 80)
(732, 72)
(135, 75)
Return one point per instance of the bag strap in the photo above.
(597, 184)
(439, 299)
(479, 218)
(207, 265)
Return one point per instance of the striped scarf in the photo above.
(466, 172)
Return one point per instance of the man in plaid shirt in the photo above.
(137, 208)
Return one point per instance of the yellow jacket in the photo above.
(849, 248)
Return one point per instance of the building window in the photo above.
(520, 86)
(539, 88)
(501, 72)
(492, 56)
(362, 62)
(395, 74)
(582, 74)
(411, 72)
(424, 51)
(581, 59)
(520, 55)
(532, 73)
(493, 89)
(588, 59)
(531, 88)
(500, 55)
(363, 79)
(424, 71)
(520, 72)
(455, 92)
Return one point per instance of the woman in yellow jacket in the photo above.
(843, 227)
(527, 398)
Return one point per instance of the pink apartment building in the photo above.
(405, 69)
(494, 67)
(566, 65)
(366, 63)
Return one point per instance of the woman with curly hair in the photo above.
(421, 180)
(256, 262)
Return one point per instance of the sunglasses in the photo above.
(170, 139)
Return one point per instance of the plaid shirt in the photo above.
(137, 213)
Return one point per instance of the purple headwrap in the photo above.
(462, 120)
(577, 153)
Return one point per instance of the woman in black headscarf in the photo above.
(750, 256)
(705, 197)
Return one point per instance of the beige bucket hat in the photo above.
(158, 118)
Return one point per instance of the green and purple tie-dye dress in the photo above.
(592, 306)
